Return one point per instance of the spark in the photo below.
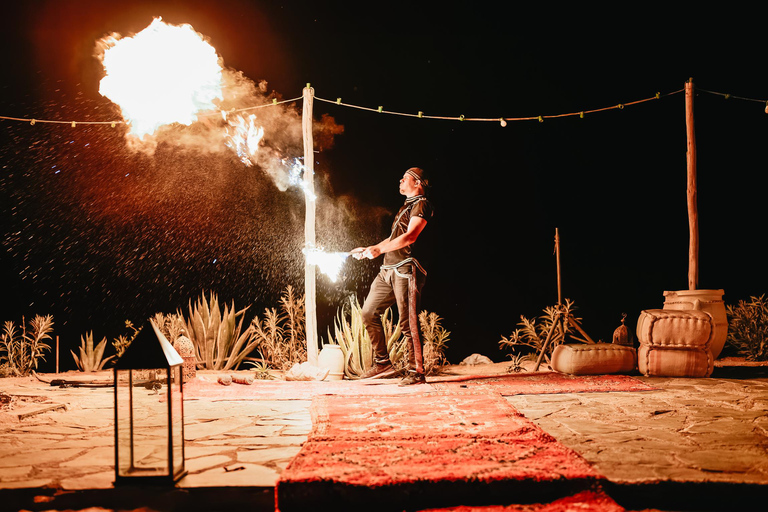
(296, 177)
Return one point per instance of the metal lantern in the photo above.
(149, 411)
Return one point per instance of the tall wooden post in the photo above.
(557, 256)
(693, 213)
(310, 298)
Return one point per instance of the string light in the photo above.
(380, 109)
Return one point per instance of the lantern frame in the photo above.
(149, 411)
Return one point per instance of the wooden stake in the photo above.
(693, 213)
(557, 255)
(57, 353)
(309, 225)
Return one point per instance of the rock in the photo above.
(306, 371)
(242, 379)
(476, 359)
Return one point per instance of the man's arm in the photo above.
(415, 227)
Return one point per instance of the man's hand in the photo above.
(366, 252)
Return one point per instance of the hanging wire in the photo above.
(272, 104)
(731, 96)
(540, 118)
(73, 123)
(34, 121)
(420, 115)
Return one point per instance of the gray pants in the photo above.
(401, 286)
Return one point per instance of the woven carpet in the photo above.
(432, 449)
(515, 384)
(541, 383)
(584, 501)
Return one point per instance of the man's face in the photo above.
(408, 185)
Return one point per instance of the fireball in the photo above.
(165, 74)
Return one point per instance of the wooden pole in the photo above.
(310, 298)
(557, 256)
(57, 353)
(693, 213)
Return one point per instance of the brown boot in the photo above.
(379, 371)
(413, 378)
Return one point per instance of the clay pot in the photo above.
(332, 357)
(709, 301)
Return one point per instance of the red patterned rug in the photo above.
(585, 501)
(431, 449)
(541, 383)
(513, 384)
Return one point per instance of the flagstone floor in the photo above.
(689, 430)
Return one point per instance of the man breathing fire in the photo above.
(399, 281)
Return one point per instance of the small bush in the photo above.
(124, 340)
(20, 350)
(748, 328)
(280, 336)
(529, 339)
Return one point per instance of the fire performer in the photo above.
(399, 281)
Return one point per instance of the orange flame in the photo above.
(244, 137)
(165, 74)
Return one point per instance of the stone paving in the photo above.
(227, 443)
(691, 431)
(694, 430)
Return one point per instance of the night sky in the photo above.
(95, 233)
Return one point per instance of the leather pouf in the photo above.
(593, 359)
(675, 343)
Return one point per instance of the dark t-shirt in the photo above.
(417, 206)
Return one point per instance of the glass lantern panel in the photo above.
(143, 428)
(177, 419)
(123, 421)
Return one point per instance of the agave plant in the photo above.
(91, 359)
(20, 351)
(351, 336)
(219, 339)
(260, 368)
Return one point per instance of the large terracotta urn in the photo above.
(709, 301)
